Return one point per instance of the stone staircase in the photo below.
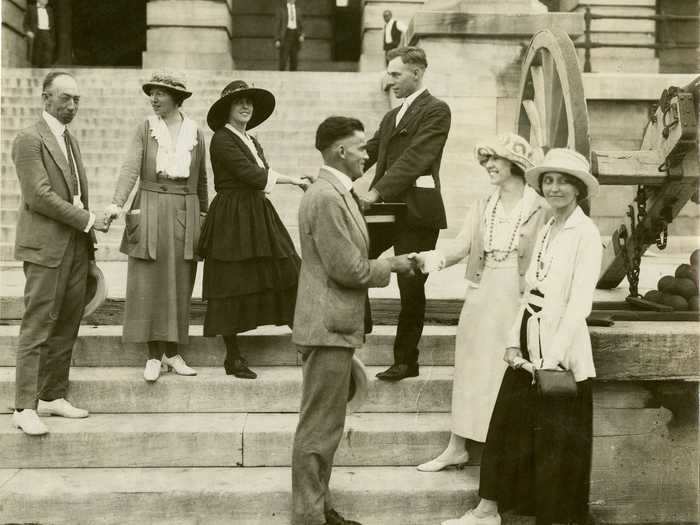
(112, 106)
(215, 449)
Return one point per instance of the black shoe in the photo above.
(333, 518)
(239, 368)
(398, 372)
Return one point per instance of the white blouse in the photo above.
(569, 270)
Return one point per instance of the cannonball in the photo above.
(695, 258)
(694, 304)
(684, 270)
(685, 287)
(666, 284)
(676, 302)
(653, 295)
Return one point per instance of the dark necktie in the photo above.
(71, 163)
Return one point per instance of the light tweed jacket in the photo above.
(335, 271)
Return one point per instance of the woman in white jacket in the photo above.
(537, 457)
(497, 240)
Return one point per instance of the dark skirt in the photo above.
(251, 267)
(537, 458)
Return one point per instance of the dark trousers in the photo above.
(42, 48)
(54, 300)
(405, 239)
(324, 401)
(289, 49)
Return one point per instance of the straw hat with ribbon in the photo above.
(263, 104)
(169, 82)
(358, 385)
(96, 290)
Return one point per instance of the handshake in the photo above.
(102, 223)
(414, 263)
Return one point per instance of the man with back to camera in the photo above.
(329, 320)
(55, 240)
(407, 149)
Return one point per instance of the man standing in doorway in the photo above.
(393, 31)
(289, 34)
(40, 32)
(55, 241)
(407, 149)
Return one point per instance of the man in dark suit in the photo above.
(330, 312)
(407, 149)
(40, 30)
(55, 239)
(289, 33)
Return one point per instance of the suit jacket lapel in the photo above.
(349, 202)
(411, 112)
(55, 151)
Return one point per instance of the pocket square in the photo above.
(404, 131)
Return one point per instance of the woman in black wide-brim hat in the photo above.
(251, 267)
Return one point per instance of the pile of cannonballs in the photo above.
(679, 291)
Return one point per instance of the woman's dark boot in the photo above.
(235, 365)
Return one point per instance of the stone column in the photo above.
(188, 34)
(474, 50)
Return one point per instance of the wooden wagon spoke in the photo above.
(536, 137)
(538, 82)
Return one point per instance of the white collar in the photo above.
(410, 99)
(344, 179)
(576, 218)
(56, 126)
(244, 136)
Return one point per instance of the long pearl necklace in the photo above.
(543, 267)
(491, 229)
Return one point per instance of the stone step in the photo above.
(277, 389)
(101, 346)
(256, 496)
(216, 440)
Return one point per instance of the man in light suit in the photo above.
(330, 312)
(407, 149)
(55, 239)
(289, 33)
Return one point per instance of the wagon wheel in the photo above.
(552, 107)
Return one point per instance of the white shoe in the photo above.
(470, 519)
(28, 421)
(445, 460)
(178, 364)
(60, 407)
(152, 370)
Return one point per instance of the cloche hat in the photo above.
(263, 104)
(166, 81)
(509, 146)
(564, 160)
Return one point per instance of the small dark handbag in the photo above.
(555, 383)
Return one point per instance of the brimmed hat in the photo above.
(96, 290)
(168, 82)
(509, 146)
(263, 104)
(563, 160)
(358, 385)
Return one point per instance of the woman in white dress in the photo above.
(497, 240)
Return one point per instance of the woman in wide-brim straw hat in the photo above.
(537, 458)
(251, 267)
(166, 162)
(497, 241)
